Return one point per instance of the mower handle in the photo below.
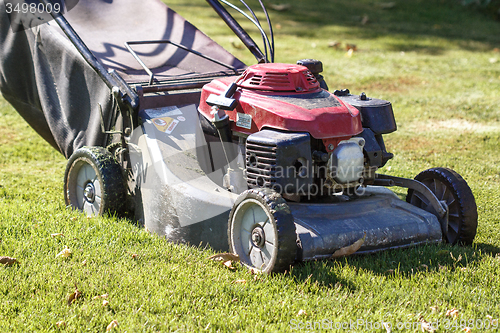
(238, 30)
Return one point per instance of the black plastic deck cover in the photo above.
(49, 83)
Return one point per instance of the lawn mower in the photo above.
(161, 124)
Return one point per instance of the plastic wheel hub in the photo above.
(89, 193)
(258, 236)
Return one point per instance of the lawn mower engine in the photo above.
(303, 162)
(299, 139)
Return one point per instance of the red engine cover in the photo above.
(285, 97)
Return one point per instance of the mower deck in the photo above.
(388, 222)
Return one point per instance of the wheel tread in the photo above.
(287, 239)
(462, 193)
(114, 188)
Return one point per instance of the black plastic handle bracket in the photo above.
(225, 101)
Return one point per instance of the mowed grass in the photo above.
(434, 60)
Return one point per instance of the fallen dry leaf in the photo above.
(241, 281)
(334, 44)
(229, 264)
(434, 308)
(74, 296)
(365, 20)
(424, 266)
(386, 5)
(105, 303)
(61, 324)
(254, 271)
(349, 53)
(452, 313)
(84, 263)
(100, 296)
(257, 278)
(467, 329)
(225, 257)
(56, 235)
(238, 46)
(112, 325)
(352, 47)
(65, 253)
(302, 313)
(426, 326)
(348, 250)
(7, 261)
(280, 7)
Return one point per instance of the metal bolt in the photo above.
(330, 146)
(89, 192)
(258, 236)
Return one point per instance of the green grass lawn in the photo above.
(436, 61)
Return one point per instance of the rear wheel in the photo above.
(450, 187)
(93, 182)
(261, 231)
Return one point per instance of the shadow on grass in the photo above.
(487, 249)
(321, 272)
(404, 20)
(415, 47)
(405, 263)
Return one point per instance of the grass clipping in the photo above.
(348, 250)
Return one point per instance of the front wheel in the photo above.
(451, 188)
(93, 182)
(261, 231)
